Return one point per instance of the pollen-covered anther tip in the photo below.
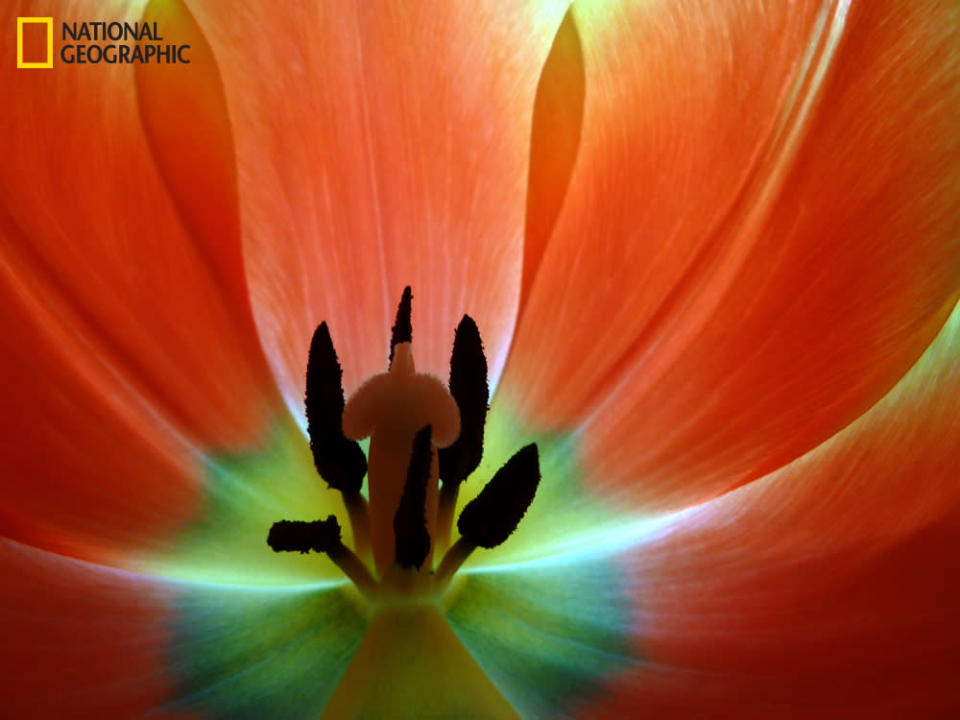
(412, 540)
(301, 536)
(491, 517)
(338, 460)
(469, 387)
(402, 330)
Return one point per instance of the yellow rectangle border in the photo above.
(48, 21)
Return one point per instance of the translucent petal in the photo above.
(827, 588)
(760, 235)
(90, 228)
(80, 640)
(380, 145)
(128, 345)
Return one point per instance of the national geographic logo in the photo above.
(45, 25)
(92, 43)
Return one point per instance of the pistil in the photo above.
(391, 408)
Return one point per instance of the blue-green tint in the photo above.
(546, 616)
(548, 620)
(254, 653)
(546, 635)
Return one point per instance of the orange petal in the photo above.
(758, 239)
(381, 144)
(557, 123)
(91, 224)
(828, 588)
(90, 468)
(186, 123)
(80, 641)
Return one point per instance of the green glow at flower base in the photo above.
(476, 647)
(245, 493)
(547, 636)
(247, 653)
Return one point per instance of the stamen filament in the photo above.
(345, 559)
(453, 559)
(356, 506)
(446, 509)
(322, 536)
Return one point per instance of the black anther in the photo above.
(468, 385)
(412, 541)
(494, 514)
(339, 461)
(298, 535)
(402, 327)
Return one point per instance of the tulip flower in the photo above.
(704, 256)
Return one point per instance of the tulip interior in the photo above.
(415, 613)
(712, 247)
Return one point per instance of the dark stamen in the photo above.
(339, 461)
(468, 385)
(321, 536)
(494, 514)
(410, 524)
(486, 521)
(300, 536)
(402, 327)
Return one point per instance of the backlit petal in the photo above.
(760, 235)
(84, 641)
(129, 348)
(557, 123)
(381, 144)
(90, 469)
(79, 640)
(88, 219)
(827, 589)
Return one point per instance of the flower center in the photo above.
(425, 439)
